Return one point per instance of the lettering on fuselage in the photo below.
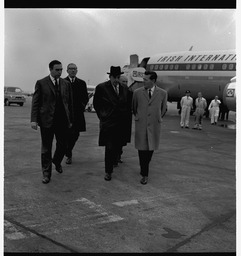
(199, 58)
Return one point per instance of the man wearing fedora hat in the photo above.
(111, 106)
(186, 106)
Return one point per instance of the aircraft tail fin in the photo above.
(134, 61)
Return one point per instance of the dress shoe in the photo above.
(120, 161)
(107, 176)
(144, 180)
(59, 168)
(46, 180)
(68, 160)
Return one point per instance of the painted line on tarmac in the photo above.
(125, 203)
(219, 221)
(108, 217)
(12, 233)
(16, 223)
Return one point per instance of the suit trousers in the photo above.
(144, 159)
(72, 137)
(112, 149)
(47, 136)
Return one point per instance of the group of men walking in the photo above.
(58, 105)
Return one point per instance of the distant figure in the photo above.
(214, 110)
(52, 110)
(224, 112)
(128, 118)
(201, 105)
(111, 106)
(149, 106)
(186, 106)
(80, 99)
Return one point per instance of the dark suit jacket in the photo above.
(112, 111)
(80, 99)
(43, 102)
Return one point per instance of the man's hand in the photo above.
(34, 125)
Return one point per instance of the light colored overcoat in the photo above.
(148, 117)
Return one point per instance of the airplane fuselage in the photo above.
(206, 72)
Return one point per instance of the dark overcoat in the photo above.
(44, 100)
(80, 99)
(148, 117)
(112, 111)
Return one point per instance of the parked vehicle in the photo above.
(13, 95)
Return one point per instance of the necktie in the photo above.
(149, 93)
(72, 80)
(56, 87)
(56, 83)
(116, 89)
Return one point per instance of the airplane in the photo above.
(229, 94)
(198, 71)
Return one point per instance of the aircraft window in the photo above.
(176, 67)
(151, 67)
(188, 66)
(161, 67)
(166, 67)
(171, 67)
(205, 66)
(156, 67)
(199, 66)
(230, 66)
(193, 66)
(211, 66)
(224, 66)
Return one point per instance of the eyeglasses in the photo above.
(58, 69)
(72, 68)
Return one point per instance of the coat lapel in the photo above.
(51, 85)
(145, 93)
(154, 94)
(111, 92)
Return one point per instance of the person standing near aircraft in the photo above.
(214, 110)
(201, 105)
(149, 105)
(52, 110)
(186, 106)
(80, 99)
(111, 106)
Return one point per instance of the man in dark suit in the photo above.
(111, 106)
(80, 99)
(52, 111)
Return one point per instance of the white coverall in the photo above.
(186, 105)
(214, 110)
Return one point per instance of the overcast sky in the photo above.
(96, 39)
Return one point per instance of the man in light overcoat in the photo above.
(149, 105)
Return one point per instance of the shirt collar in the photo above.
(72, 78)
(53, 79)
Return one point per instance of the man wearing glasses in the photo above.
(80, 99)
(52, 111)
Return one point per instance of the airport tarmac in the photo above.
(188, 205)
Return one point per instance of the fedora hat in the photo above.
(115, 71)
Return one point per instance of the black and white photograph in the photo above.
(119, 130)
